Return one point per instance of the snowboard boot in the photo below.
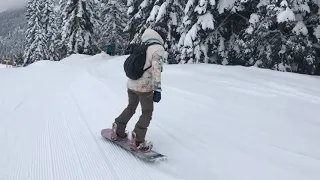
(140, 146)
(115, 136)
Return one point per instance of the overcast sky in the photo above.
(8, 4)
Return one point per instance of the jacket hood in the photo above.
(151, 35)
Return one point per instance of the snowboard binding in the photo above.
(114, 135)
(142, 147)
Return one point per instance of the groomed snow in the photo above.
(4, 66)
(214, 122)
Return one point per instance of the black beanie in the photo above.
(162, 29)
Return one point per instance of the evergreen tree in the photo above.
(78, 20)
(198, 22)
(278, 38)
(113, 21)
(273, 34)
(138, 13)
(12, 33)
(169, 12)
(211, 28)
(58, 46)
(314, 26)
(50, 17)
(233, 19)
(36, 45)
(18, 59)
(314, 21)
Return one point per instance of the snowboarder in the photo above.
(145, 90)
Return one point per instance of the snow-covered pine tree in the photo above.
(301, 47)
(242, 33)
(138, 13)
(198, 22)
(78, 20)
(12, 46)
(209, 42)
(36, 38)
(98, 21)
(50, 26)
(233, 17)
(113, 21)
(59, 47)
(313, 24)
(13, 34)
(277, 37)
(170, 12)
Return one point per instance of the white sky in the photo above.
(8, 4)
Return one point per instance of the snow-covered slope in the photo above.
(2, 66)
(214, 122)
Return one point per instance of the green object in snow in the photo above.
(109, 50)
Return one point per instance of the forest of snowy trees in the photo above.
(12, 35)
(282, 35)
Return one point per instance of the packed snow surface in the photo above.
(4, 66)
(213, 123)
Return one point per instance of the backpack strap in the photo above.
(150, 44)
(147, 68)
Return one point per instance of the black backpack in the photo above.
(134, 64)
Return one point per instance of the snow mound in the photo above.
(3, 66)
(99, 57)
(42, 63)
(74, 57)
(213, 122)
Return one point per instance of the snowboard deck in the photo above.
(151, 156)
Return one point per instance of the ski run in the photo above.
(213, 122)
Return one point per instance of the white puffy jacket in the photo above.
(151, 79)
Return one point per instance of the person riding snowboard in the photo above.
(145, 89)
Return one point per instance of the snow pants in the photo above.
(146, 101)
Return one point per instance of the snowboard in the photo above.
(152, 156)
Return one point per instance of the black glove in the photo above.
(156, 96)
